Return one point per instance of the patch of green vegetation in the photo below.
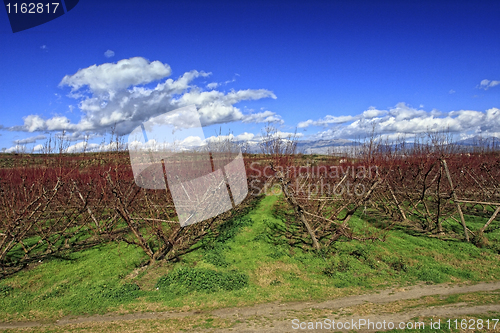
(187, 279)
(5, 290)
(16, 254)
(215, 256)
(90, 281)
(401, 259)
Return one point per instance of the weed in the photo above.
(187, 279)
(5, 290)
(275, 282)
(216, 257)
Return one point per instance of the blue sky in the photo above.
(330, 68)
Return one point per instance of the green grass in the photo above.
(84, 282)
(243, 265)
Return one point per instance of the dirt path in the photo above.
(276, 317)
(285, 324)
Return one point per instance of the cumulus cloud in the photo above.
(34, 123)
(109, 54)
(108, 78)
(487, 84)
(403, 112)
(403, 120)
(115, 95)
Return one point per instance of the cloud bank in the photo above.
(403, 120)
(124, 94)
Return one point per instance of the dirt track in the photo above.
(276, 317)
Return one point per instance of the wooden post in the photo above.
(455, 199)
(491, 219)
(397, 203)
(88, 208)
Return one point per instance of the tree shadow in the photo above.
(11, 267)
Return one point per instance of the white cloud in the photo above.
(245, 136)
(191, 141)
(328, 120)
(285, 135)
(57, 123)
(112, 94)
(486, 84)
(30, 139)
(306, 123)
(219, 138)
(216, 107)
(38, 148)
(263, 117)
(109, 78)
(372, 112)
(34, 123)
(404, 120)
(218, 112)
(109, 54)
(451, 91)
(16, 149)
(81, 147)
(214, 85)
(251, 137)
(241, 137)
